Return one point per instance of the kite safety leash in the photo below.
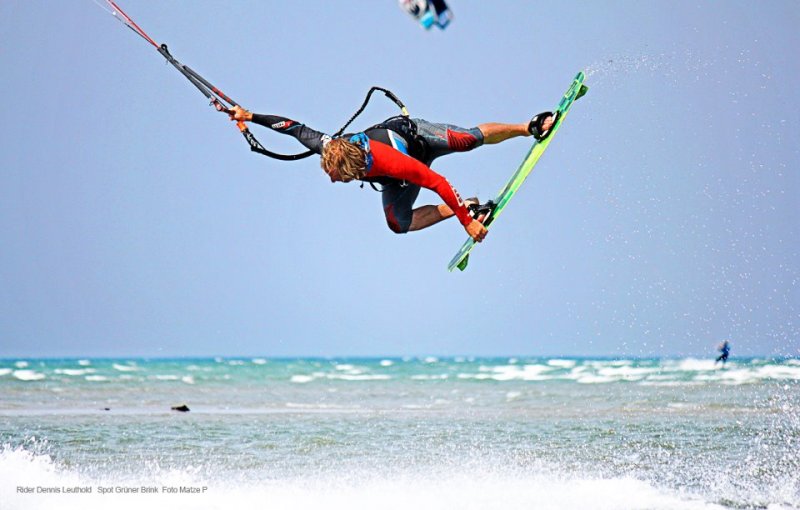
(389, 94)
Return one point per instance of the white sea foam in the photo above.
(197, 368)
(360, 377)
(688, 372)
(74, 371)
(728, 376)
(621, 362)
(432, 377)
(96, 378)
(28, 375)
(536, 369)
(627, 373)
(779, 372)
(5, 371)
(737, 376)
(124, 368)
(510, 373)
(524, 373)
(259, 361)
(507, 373)
(692, 365)
(387, 363)
(465, 489)
(661, 377)
(302, 379)
(595, 379)
(576, 373)
(475, 376)
(165, 377)
(561, 363)
(84, 362)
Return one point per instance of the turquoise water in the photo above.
(400, 433)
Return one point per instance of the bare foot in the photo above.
(541, 124)
(548, 123)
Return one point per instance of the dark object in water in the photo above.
(182, 408)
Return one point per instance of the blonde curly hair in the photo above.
(347, 158)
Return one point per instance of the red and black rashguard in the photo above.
(389, 162)
(396, 162)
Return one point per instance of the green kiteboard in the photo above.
(575, 91)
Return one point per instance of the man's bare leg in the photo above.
(427, 215)
(494, 132)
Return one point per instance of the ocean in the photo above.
(399, 433)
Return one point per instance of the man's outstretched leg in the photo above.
(443, 139)
(494, 132)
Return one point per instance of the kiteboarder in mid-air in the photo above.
(397, 154)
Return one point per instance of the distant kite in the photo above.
(428, 12)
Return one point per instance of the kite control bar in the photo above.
(223, 103)
(219, 100)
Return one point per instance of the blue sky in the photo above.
(662, 219)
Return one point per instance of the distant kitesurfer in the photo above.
(397, 154)
(725, 349)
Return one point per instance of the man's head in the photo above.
(343, 161)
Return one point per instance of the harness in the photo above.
(403, 136)
(407, 128)
(401, 124)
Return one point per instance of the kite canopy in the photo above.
(428, 12)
